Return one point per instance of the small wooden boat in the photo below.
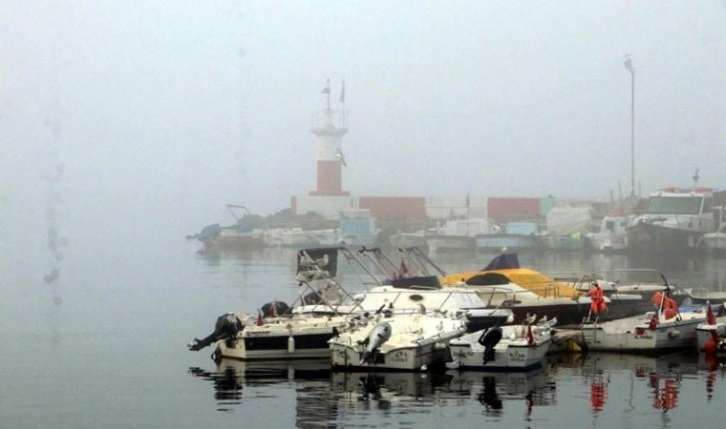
(506, 348)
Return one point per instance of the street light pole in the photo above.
(629, 67)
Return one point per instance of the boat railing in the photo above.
(508, 296)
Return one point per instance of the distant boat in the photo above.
(714, 242)
(612, 236)
(458, 235)
(241, 235)
(516, 237)
(674, 221)
(566, 228)
(408, 239)
(358, 228)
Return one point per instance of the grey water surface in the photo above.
(104, 346)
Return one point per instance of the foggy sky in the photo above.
(178, 108)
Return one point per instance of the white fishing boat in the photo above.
(663, 329)
(506, 348)
(397, 341)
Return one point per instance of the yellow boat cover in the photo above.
(532, 280)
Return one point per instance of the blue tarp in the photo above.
(503, 261)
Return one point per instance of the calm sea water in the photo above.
(95, 337)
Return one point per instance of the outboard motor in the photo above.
(489, 396)
(275, 309)
(378, 335)
(228, 325)
(489, 339)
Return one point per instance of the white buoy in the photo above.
(290, 344)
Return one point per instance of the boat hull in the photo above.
(649, 238)
(507, 356)
(406, 358)
(450, 243)
(704, 333)
(510, 242)
(291, 340)
(714, 243)
(232, 242)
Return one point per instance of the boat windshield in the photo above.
(674, 205)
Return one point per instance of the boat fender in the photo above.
(674, 334)
(489, 339)
(290, 344)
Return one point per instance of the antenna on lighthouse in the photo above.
(326, 91)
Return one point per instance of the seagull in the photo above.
(341, 157)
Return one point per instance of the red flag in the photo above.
(260, 320)
(710, 317)
(530, 336)
(653, 322)
(404, 268)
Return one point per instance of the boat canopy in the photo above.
(505, 269)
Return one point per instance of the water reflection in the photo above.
(388, 386)
(498, 390)
(227, 386)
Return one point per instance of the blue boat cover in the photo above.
(503, 262)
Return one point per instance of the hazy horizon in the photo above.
(167, 112)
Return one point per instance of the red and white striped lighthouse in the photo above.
(330, 127)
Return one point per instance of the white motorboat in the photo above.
(654, 331)
(454, 302)
(243, 336)
(506, 348)
(711, 333)
(398, 341)
(303, 330)
(405, 286)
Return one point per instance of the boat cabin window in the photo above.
(707, 204)
(488, 279)
(610, 225)
(675, 205)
